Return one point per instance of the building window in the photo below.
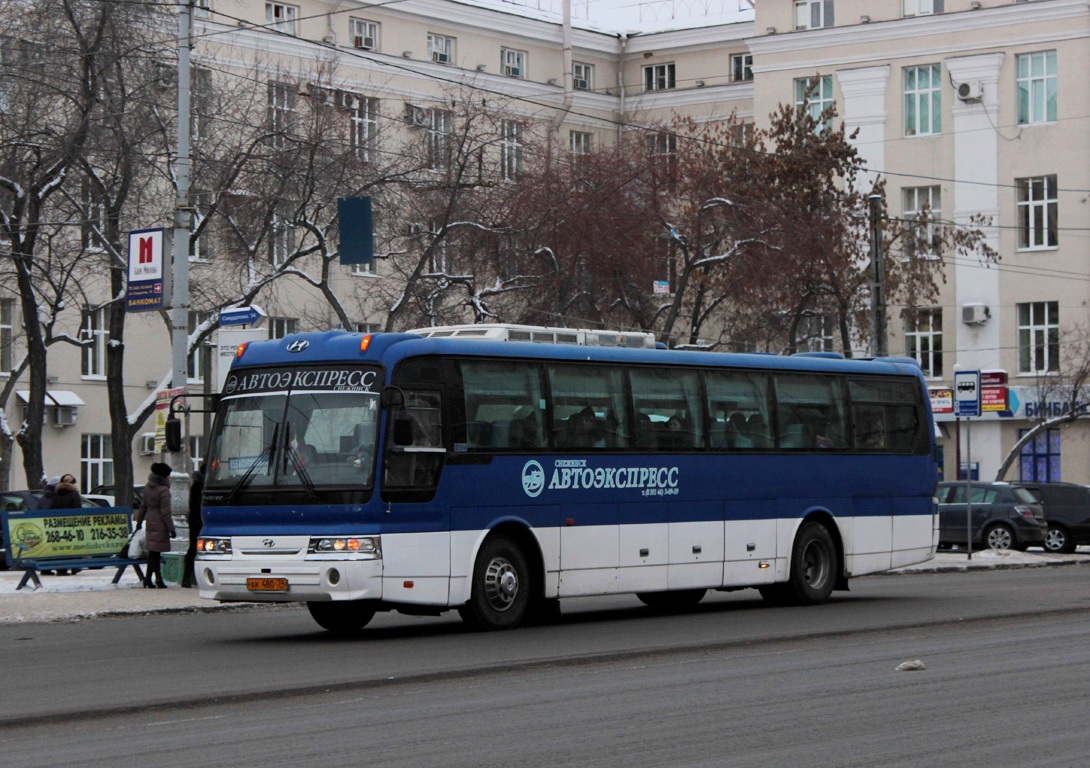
(202, 9)
(281, 240)
(363, 327)
(815, 94)
(813, 14)
(201, 115)
(279, 327)
(658, 77)
(1039, 337)
(582, 76)
(93, 336)
(922, 206)
(280, 113)
(440, 48)
(512, 62)
(923, 100)
(923, 341)
(1037, 213)
(511, 150)
(662, 148)
(580, 143)
(741, 67)
(814, 333)
(198, 358)
(922, 7)
(7, 335)
(281, 18)
(439, 257)
(439, 126)
(1040, 459)
(364, 34)
(1037, 87)
(96, 461)
(94, 217)
(364, 270)
(363, 127)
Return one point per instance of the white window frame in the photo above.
(439, 257)
(921, 7)
(7, 336)
(1038, 213)
(438, 138)
(659, 77)
(822, 98)
(362, 30)
(279, 327)
(281, 17)
(923, 104)
(915, 199)
(363, 128)
(513, 62)
(923, 341)
(93, 355)
(582, 76)
(741, 67)
(202, 9)
(280, 112)
(1039, 337)
(815, 333)
(96, 461)
(94, 218)
(195, 373)
(580, 143)
(1037, 87)
(811, 14)
(201, 109)
(281, 240)
(441, 48)
(511, 150)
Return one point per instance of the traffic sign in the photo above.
(966, 393)
(242, 316)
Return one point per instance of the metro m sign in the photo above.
(147, 285)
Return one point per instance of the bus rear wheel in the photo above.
(501, 588)
(813, 569)
(343, 617)
(677, 600)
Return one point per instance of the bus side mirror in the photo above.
(173, 436)
(403, 428)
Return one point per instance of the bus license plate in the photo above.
(266, 585)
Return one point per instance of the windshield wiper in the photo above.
(297, 464)
(266, 453)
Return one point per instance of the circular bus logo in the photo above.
(533, 479)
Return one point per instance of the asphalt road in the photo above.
(734, 683)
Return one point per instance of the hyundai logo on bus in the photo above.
(298, 345)
(574, 474)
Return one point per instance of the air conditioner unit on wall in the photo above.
(147, 444)
(975, 314)
(64, 416)
(417, 117)
(970, 90)
(440, 57)
(362, 41)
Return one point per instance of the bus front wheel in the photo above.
(344, 617)
(813, 569)
(501, 587)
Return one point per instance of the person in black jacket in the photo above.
(189, 578)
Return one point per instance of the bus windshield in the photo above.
(302, 440)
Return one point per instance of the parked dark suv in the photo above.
(1004, 516)
(1067, 512)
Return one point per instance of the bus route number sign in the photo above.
(967, 393)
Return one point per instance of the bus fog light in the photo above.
(333, 577)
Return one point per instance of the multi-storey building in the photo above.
(966, 108)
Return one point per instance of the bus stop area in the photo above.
(90, 594)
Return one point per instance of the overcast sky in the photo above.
(632, 15)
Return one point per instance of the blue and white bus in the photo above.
(363, 473)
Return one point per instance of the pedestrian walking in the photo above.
(155, 512)
(189, 579)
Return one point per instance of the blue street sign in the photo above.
(966, 393)
(242, 316)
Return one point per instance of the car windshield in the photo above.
(305, 440)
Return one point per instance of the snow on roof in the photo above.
(639, 16)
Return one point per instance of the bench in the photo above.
(61, 539)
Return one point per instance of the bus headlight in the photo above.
(214, 545)
(368, 547)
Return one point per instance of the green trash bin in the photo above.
(173, 567)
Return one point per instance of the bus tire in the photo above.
(342, 617)
(676, 600)
(501, 589)
(813, 570)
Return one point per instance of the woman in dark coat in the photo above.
(155, 510)
(66, 494)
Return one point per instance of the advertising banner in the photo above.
(148, 286)
(65, 533)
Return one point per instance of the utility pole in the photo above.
(879, 344)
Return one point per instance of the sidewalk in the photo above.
(89, 593)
